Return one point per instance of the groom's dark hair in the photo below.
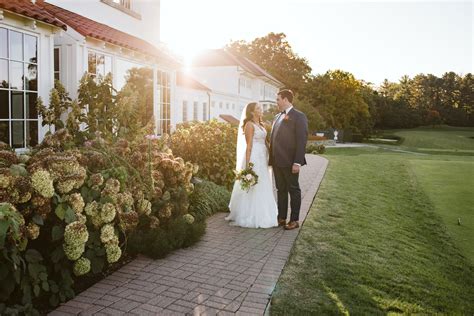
(286, 93)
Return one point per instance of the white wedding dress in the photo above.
(257, 207)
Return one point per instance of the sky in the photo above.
(374, 40)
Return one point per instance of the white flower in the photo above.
(248, 177)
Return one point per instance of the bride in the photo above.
(257, 207)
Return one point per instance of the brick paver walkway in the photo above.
(232, 270)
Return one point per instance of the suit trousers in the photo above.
(287, 182)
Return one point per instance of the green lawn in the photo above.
(380, 236)
(433, 140)
(450, 186)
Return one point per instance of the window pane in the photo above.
(16, 75)
(31, 133)
(56, 59)
(18, 134)
(31, 77)
(31, 111)
(16, 45)
(31, 49)
(100, 65)
(56, 76)
(4, 132)
(17, 105)
(3, 43)
(3, 104)
(3, 73)
(92, 63)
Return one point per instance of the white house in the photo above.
(41, 41)
(233, 81)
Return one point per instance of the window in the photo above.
(220, 105)
(99, 64)
(227, 106)
(124, 3)
(233, 106)
(56, 63)
(185, 111)
(18, 88)
(195, 112)
(213, 104)
(164, 98)
(204, 111)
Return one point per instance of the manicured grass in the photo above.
(438, 139)
(374, 242)
(450, 186)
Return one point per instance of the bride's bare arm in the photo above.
(249, 130)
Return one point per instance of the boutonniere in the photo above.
(286, 117)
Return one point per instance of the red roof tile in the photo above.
(91, 28)
(31, 10)
(186, 81)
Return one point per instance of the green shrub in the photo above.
(208, 198)
(315, 149)
(68, 213)
(211, 145)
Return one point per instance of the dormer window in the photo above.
(124, 3)
(125, 6)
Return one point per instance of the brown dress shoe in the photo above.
(292, 225)
(281, 222)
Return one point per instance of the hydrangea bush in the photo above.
(211, 145)
(72, 212)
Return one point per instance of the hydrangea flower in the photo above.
(73, 251)
(144, 207)
(42, 183)
(108, 212)
(77, 202)
(81, 266)
(107, 233)
(33, 231)
(112, 187)
(188, 218)
(76, 233)
(128, 220)
(91, 208)
(113, 253)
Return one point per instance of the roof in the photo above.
(186, 81)
(230, 119)
(93, 29)
(222, 57)
(31, 10)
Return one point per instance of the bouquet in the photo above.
(247, 177)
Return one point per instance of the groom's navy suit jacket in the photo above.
(288, 145)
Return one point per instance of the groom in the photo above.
(287, 155)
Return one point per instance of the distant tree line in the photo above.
(337, 99)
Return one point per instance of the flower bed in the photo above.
(68, 213)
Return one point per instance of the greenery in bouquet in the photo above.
(247, 178)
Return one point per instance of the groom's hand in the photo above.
(295, 168)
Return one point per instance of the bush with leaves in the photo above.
(208, 198)
(211, 145)
(68, 213)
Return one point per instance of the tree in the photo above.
(274, 54)
(338, 98)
